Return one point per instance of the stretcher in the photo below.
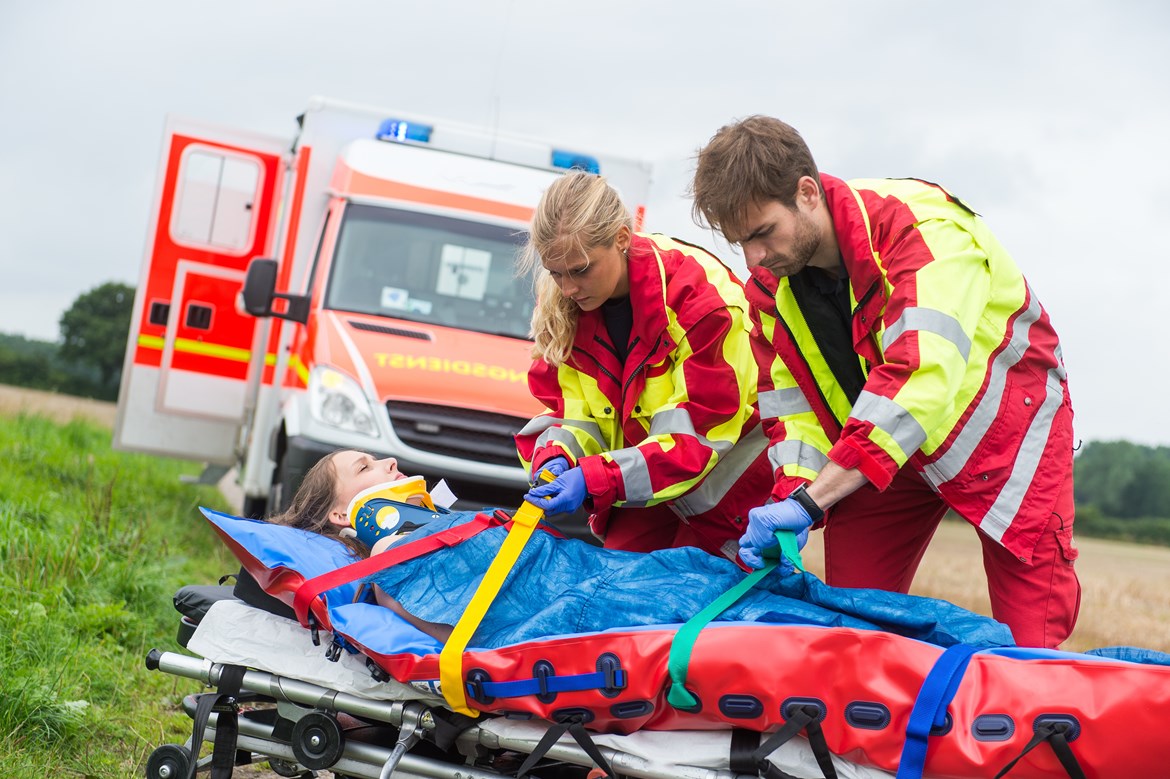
(349, 687)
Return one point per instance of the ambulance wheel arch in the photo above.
(292, 458)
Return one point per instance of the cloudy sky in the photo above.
(1052, 119)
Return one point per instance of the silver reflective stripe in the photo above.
(797, 453)
(542, 422)
(677, 421)
(1060, 371)
(1007, 503)
(546, 422)
(890, 417)
(564, 438)
(950, 464)
(635, 475)
(724, 475)
(932, 321)
(778, 403)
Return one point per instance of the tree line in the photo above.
(1122, 491)
(87, 359)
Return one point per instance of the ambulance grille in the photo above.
(457, 432)
(390, 330)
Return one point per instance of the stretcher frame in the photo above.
(257, 737)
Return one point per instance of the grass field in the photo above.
(93, 543)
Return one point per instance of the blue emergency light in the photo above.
(399, 130)
(571, 160)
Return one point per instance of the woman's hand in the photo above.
(563, 495)
(556, 466)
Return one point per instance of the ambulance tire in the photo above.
(281, 494)
(254, 508)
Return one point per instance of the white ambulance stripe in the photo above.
(726, 473)
(677, 421)
(932, 321)
(564, 438)
(778, 403)
(890, 417)
(798, 453)
(635, 475)
(983, 417)
(1007, 503)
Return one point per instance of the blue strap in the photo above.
(598, 680)
(930, 709)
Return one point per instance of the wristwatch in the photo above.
(801, 496)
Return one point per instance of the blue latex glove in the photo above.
(563, 495)
(763, 522)
(556, 466)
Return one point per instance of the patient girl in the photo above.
(321, 505)
(560, 585)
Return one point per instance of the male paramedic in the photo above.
(906, 368)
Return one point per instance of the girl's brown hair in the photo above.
(313, 501)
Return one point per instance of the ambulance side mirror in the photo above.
(260, 291)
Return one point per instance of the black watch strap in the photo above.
(801, 496)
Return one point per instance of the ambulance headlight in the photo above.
(336, 400)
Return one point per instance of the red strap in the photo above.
(313, 588)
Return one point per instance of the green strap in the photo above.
(789, 549)
(684, 640)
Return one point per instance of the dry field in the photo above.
(62, 408)
(1126, 586)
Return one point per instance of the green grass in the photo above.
(93, 544)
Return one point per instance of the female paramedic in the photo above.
(561, 585)
(644, 363)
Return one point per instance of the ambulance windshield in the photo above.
(428, 268)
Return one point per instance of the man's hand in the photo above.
(563, 495)
(763, 522)
(556, 466)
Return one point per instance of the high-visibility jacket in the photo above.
(676, 422)
(963, 372)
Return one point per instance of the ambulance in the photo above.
(352, 287)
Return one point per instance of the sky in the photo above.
(1051, 119)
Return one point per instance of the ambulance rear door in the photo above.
(191, 348)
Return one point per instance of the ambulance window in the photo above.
(214, 200)
(463, 272)
(429, 268)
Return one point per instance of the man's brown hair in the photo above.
(750, 161)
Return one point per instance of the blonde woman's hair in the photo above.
(579, 212)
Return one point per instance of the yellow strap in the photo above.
(451, 658)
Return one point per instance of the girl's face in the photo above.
(357, 471)
(591, 278)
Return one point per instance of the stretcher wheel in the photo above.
(170, 761)
(317, 741)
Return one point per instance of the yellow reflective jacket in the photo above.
(963, 373)
(678, 420)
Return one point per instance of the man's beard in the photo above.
(807, 243)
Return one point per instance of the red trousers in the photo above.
(877, 539)
(659, 527)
